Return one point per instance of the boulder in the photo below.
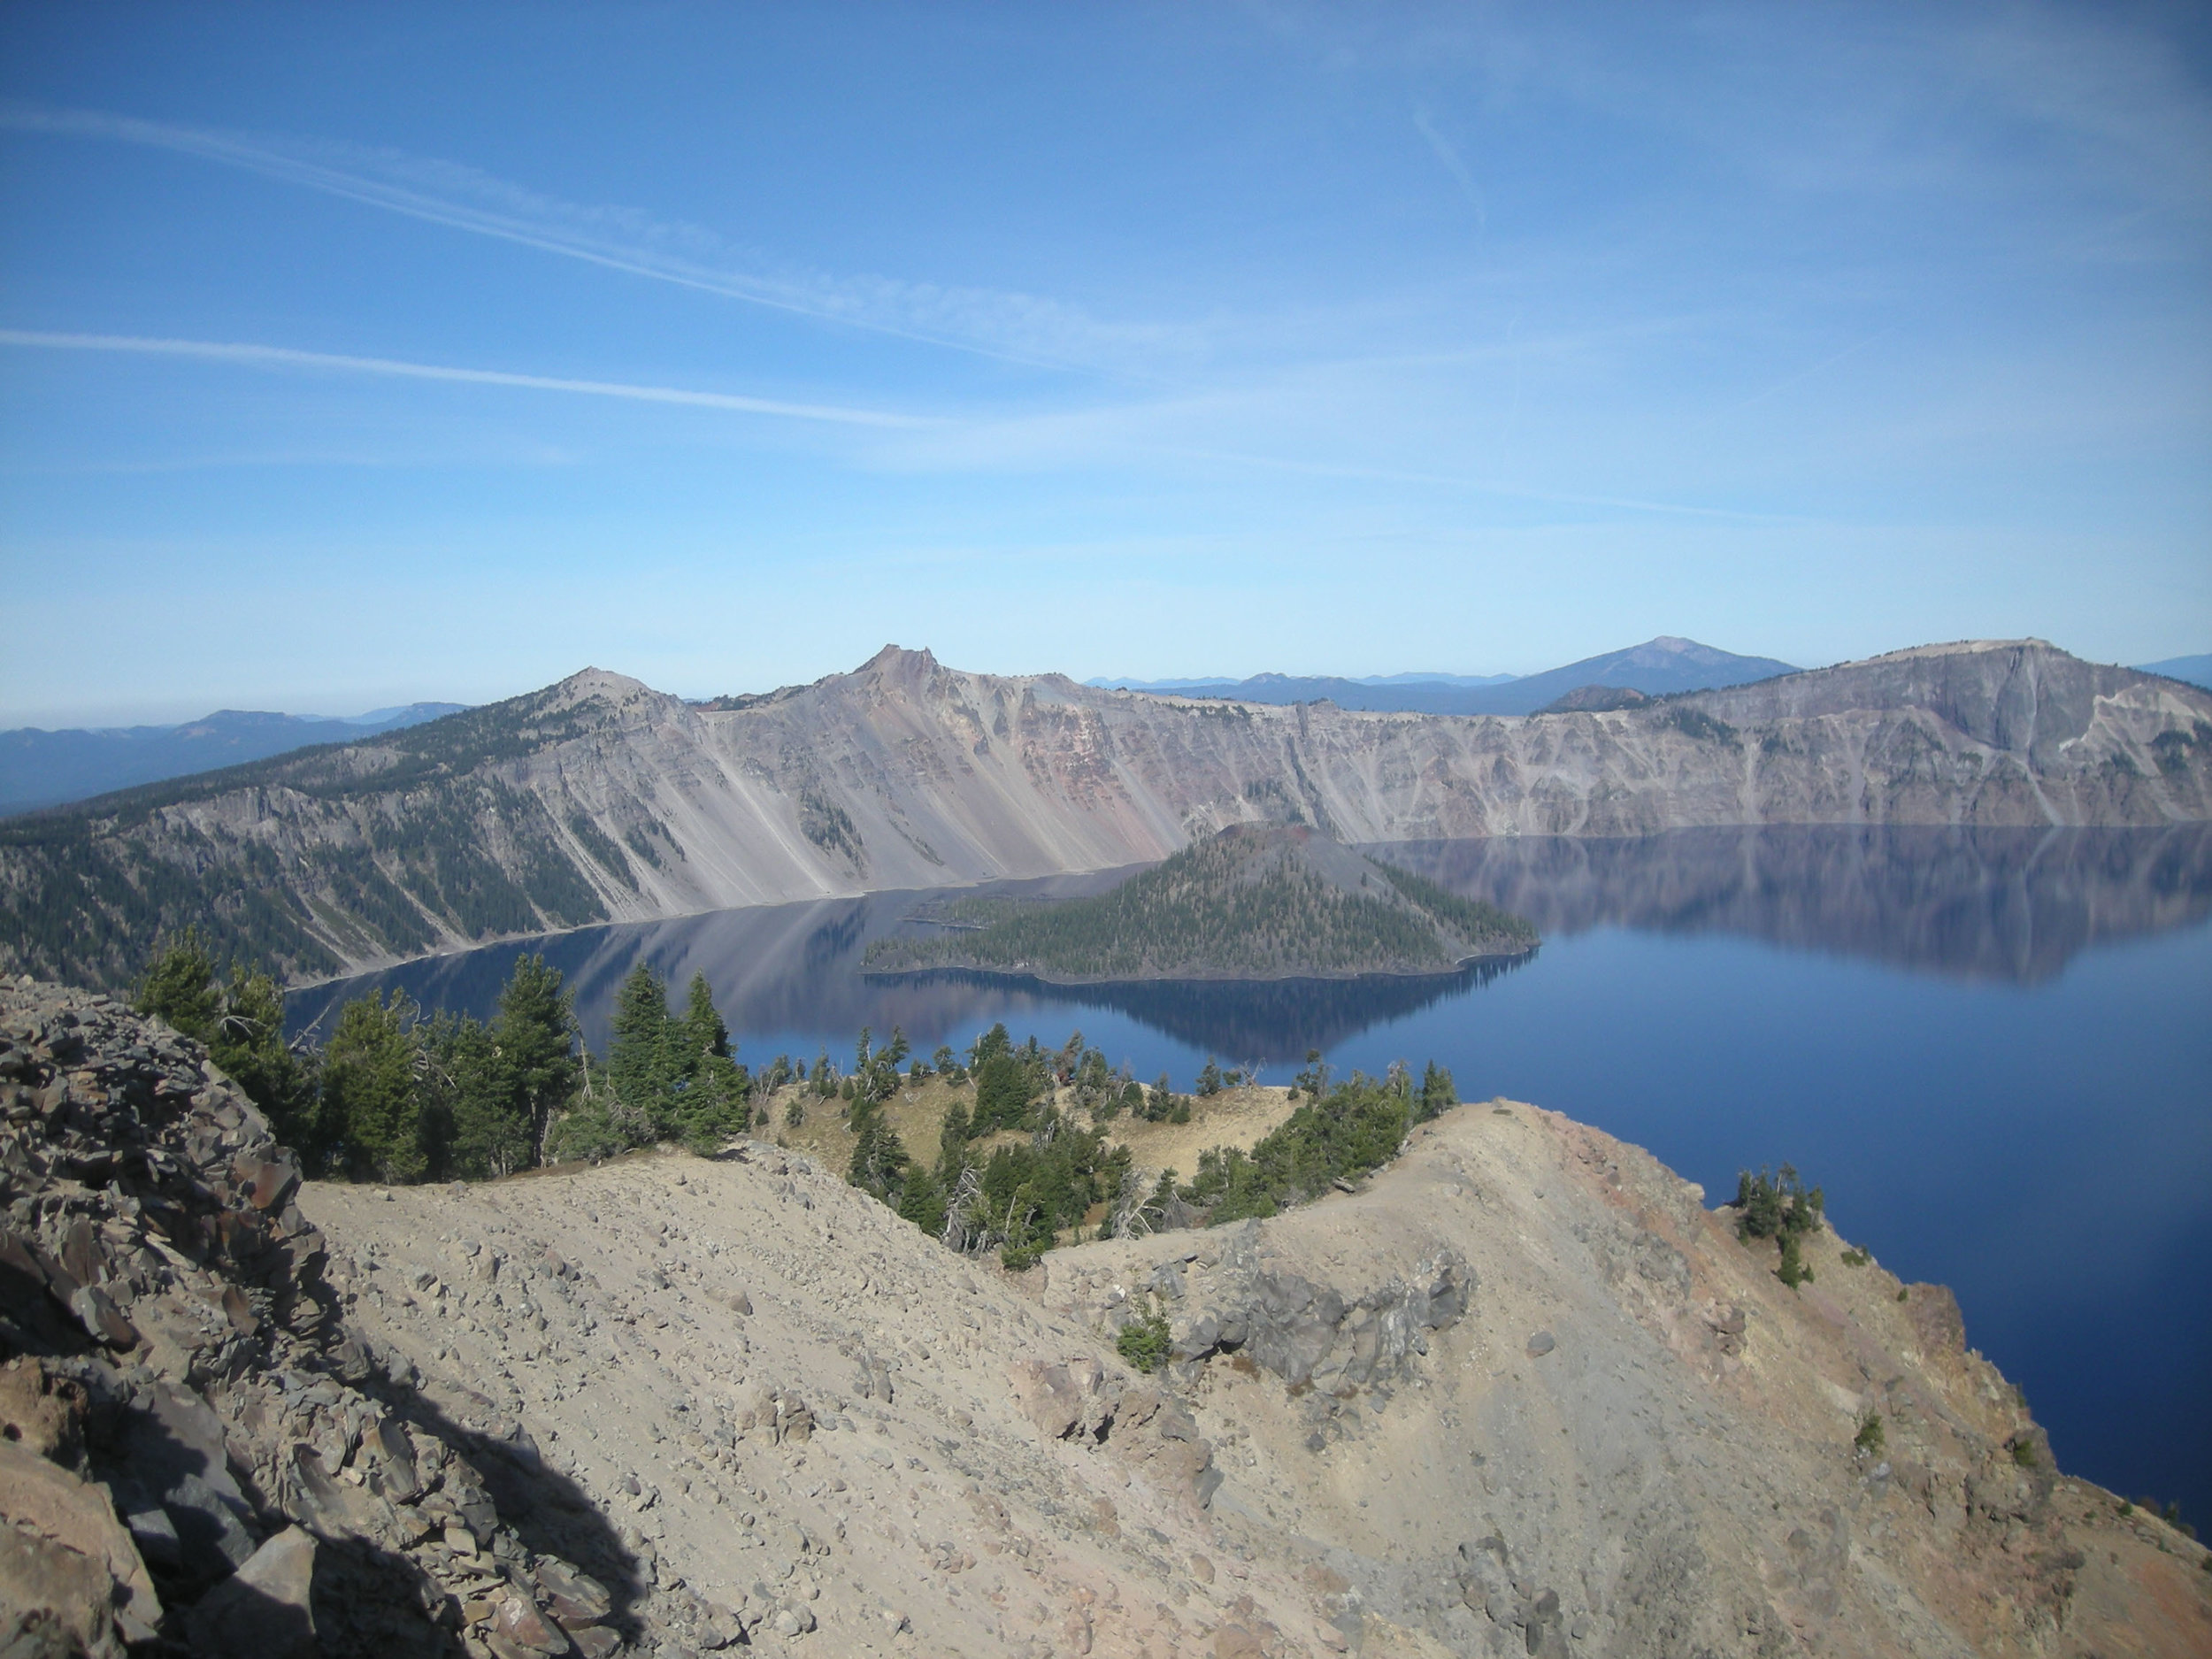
(66, 1561)
(266, 1608)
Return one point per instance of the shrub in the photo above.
(2023, 1454)
(1856, 1258)
(1143, 1341)
(1870, 1437)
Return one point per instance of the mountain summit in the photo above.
(601, 799)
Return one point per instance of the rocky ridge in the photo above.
(600, 799)
(198, 1454)
(1520, 1395)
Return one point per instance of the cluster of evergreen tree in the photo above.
(396, 1096)
(670, 1077)
(1340, 1133)
(1019, 1199)
(1025, 1196)
(1780, 1207)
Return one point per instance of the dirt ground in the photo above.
(1629, 1438)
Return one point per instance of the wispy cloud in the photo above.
(285, 357)
(996, 322)
(1449, 155)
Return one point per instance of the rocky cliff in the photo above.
(1523, 1395)
(600, 799)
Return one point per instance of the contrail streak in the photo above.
(285, 357)
(959, 319)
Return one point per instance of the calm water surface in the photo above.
(1994, 1050)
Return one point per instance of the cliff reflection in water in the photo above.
(2013, 905)
(2010, 905)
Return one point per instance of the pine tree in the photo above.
(370, 1098)
(705, 1032)
(241, 1024)
(535, 1033)
(1438, 1093)
(487, 1133)
(641, 1055)
(181, 989)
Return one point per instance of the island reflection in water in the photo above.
(2005, 905)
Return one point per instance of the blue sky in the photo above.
(353, 355)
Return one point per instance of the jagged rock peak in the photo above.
(896, 661)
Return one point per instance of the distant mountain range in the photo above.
(39, 768)
(600, 799)
(2196, 670)
(1655, 668)
(1108, 683)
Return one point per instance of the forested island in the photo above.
(1257, 902)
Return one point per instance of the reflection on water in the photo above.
(2008, 905)
(779, 968)
(1997, 904)
(1245, 1019)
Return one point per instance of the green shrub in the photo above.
(1792, 1271)
(2023, 1454)
(1143, 1341)
(1856, 1258)
(1870, 1437)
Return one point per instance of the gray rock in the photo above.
(264, 1609)
(1541, 1343)
(210, 1531)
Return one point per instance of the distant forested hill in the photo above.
(1656, 668)
(40, 768)
(2196, 670)
(1255, 902)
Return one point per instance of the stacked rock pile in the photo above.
(195, 1455)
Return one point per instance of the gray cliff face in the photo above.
(603, 800)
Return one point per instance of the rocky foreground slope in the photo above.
(600, 799)
(1522, 1395)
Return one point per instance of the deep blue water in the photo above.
(1993, 1050)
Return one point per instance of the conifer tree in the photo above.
(534, 1035)
(370, 1098)
(642, 1055)
(241, 1024)
(1438, 1093)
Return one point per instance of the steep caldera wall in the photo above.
(600, 799)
